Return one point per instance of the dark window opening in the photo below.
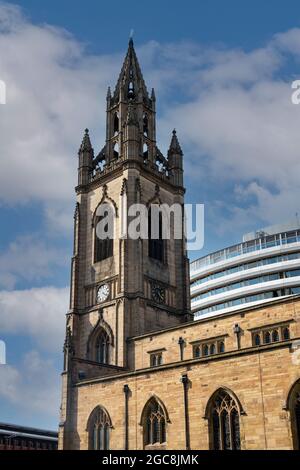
(286, 333)
(145, 125)
(100, 431)
(145, 152)
(103, 246)
(102, 348)
(156, 245)
(116, 124)
(224, 423)
(257, 340)
(116, 150)
(155, 424)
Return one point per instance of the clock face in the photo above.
(103, 293)
(158, 293)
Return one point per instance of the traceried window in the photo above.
(155, 242)
(154, 424)
(102, 348)
(224, 422)
(104, 244)
(99, 429)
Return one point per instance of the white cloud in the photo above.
(233, 114)
(240, 126)
(31, 258)
(54, 90)
(38, 313)
(33, 386)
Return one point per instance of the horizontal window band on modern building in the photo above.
(246, 266)
(264, 266)
(251, 298)
(249, 282)
(247, 247)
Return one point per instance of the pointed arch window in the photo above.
(275, 336)
(155, 240)
(145, 152)
(224, 422)
(286, 333)
(145, 125)
(116, 124)
(99, 429)
(154, 423)
(257, 339)
(102, 347)
(197, 351)
(104, 242)
(267, 337)
(116, 151)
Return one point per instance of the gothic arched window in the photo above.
(267, 337)
(145, 125)
(154, 423)
(257, 340)
(116, 124)
(275, 336)
(286, 333)
(294, 408)
(155, 240)
(197, 352)
(224, 422)
(99, 429)
(102, 347)
(104, 236)
(116, 151)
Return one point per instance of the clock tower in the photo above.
(123, 286)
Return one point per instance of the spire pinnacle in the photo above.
(86, 145)
(174, 145)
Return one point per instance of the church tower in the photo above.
(122, 286)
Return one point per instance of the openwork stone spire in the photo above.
(131, 83)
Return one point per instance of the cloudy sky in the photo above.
(222, 72)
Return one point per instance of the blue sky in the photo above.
(222, 73)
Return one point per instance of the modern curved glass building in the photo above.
(265, 265)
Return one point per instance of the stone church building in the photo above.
(139, 373)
